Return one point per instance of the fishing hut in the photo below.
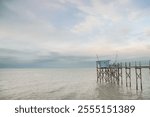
(113, 72)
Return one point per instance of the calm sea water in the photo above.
(65, 84)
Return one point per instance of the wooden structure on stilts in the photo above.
(113, 73)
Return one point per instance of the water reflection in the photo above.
(66, 84)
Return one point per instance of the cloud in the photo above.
(19, 59)
(89, 24)
(147, 32)
(41, 31)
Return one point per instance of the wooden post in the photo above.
(97, 70)
(120, 73)
(117, 73)
(126, 74)
(100, 75)
(138, 70)
(107, 75)
(130, 73)
(110, 74)
(141, 76)
(136, 76)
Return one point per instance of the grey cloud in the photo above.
(53, 60)
(59, 60)
(13, 52)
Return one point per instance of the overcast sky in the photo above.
(52, 33)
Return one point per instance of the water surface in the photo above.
(65, 84)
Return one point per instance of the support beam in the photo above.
(113, 73)
(138, 73)
(128, 74)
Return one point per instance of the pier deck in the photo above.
(107, 72)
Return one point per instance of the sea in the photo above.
(67, 84)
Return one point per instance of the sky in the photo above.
(70, 33)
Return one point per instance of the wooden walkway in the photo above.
(114, 73)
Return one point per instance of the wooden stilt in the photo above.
(141, 76)
(136, 76)
(129, 73)
(97, 71)
(138, 71)
(121, 74)
(126, 74)
(114, 73)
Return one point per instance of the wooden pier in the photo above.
(113, 73)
